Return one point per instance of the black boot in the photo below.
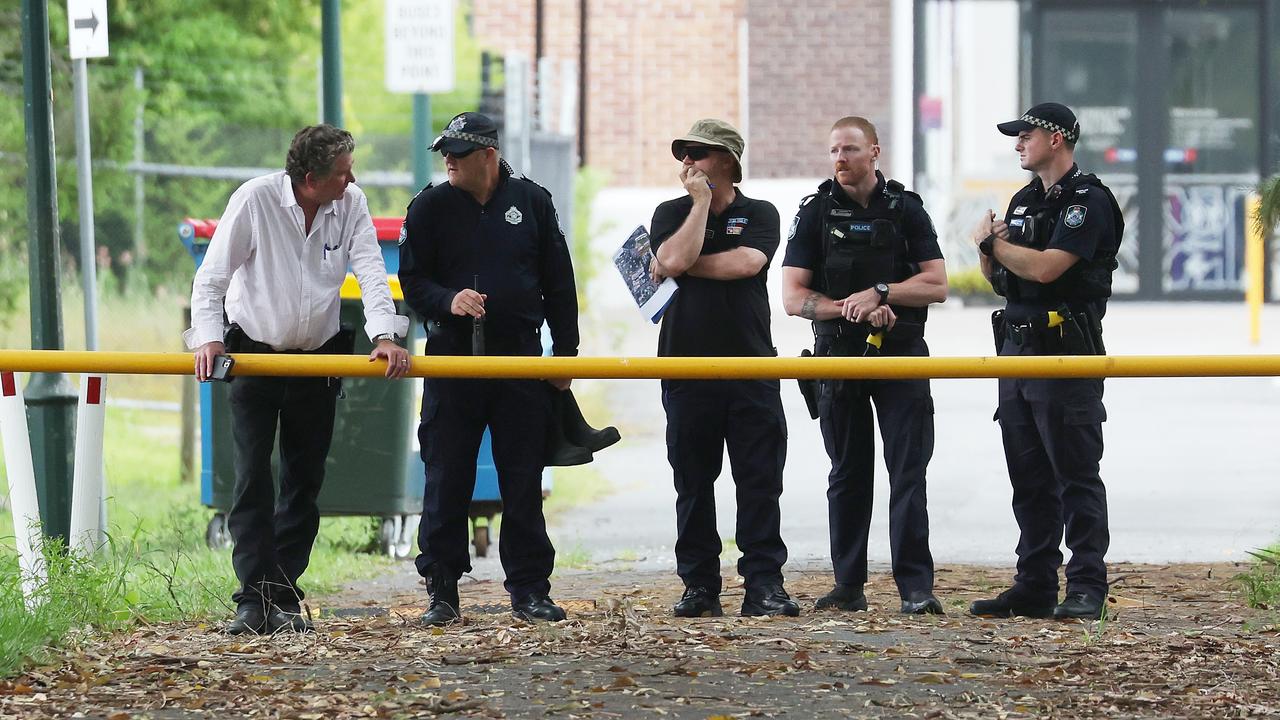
(444, 608)
(578, 432)
(250, 618)
(536, 606)
(1011, 602)
(1079, 605)
(843, 597)
(561, 452)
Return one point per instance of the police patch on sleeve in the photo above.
(404, 233)
(1074, 216)
(795, 225)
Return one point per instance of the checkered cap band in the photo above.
(470, 137)
(1071, 135)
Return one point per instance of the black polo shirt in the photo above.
(720, 317)
(512, 246)
(804, 242)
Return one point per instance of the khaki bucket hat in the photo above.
(717, 133)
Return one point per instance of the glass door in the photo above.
(1168, 100)
(1211, 162)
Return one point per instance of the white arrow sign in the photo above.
(87, 28)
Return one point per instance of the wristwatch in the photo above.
(883, 289)
(386, 336)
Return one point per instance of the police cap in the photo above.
(465, 132)
(1054, 117)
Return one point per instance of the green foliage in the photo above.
(156, 567)
(225, 83)
(587, 184)
(1269, 209)
(971, 286)
(1261, 583)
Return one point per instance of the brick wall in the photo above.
(810, 64)
(655, 67)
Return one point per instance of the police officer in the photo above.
(718, 243)
(484, 261)
(863, 264)
(1052, 257)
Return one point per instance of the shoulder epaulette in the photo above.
(415, 196)
(531, 182)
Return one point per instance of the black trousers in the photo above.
(455, 413)
(273, 533)
(1052, 431)
(905, 410)
(703, 418)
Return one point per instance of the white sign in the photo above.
(87, 28)
(419, 42)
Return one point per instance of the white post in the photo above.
(84, 172)
(87, 535)
(22, 486)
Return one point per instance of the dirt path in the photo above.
(1180, 644)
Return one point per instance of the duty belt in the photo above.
(844, 329)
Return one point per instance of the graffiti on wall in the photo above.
(1204, 233)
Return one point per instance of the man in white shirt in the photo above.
(274, 269)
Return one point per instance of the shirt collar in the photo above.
(288, 199)
(1071, 173)
(838, 191)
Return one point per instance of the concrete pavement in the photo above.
(1190, 466)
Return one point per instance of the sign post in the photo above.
(419, 60)
(87, 37)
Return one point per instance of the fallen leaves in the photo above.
(1181, 648)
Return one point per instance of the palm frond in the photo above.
(1269, 210)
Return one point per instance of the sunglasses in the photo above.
(698, 152)
(459, 155)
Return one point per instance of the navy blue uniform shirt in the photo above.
(719, 317)
(804, 242)
(512, 245)
(1085, 227)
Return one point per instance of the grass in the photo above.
(1261, 583)
(134, 320)
(156, 566)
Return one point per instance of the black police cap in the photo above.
(465, 132)
(1054, 117)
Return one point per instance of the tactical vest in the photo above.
(865, 246)
(1086, 279)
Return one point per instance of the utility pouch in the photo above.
(1075, 333)
(999, 329)
(809, 390)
